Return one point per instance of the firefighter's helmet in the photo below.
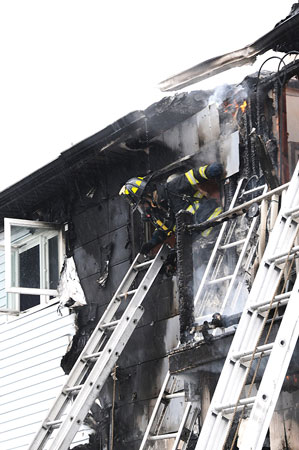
(134, 189)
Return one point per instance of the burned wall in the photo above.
(104, 239)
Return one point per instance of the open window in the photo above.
(33, 259)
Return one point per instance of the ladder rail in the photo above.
(104, 360)
(227, 244)
(233, 277)
(268, 392)
(238, 265)
(217, 244)
(91, 347)
(234, 374)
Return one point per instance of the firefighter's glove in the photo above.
(214, 170)
(146, 248)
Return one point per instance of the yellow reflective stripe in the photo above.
(134, 189)
(127, 192)
(202, 171)
(194, 207)
(191, 209)
(161, 224)
(191, 178)
(216, 213)
(198, 194)
(138, 182)
(206, 232)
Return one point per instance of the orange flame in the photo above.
(236, 106)
(243, 106)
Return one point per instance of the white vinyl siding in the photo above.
(31, 348)
(2, 280)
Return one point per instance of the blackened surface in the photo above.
(266, 163)
(139, 382)
(185, 274)
(290, 40)
(101, 222)
(201, 358)
(206, 357)
(229, 190)
(172, 110)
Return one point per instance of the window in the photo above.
(33, 258)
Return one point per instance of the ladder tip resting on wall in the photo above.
(251, 342)
(98, 357)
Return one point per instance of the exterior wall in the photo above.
(284, 427)
(201, 134)
(30, 352)
(103, 229)
(106, 224)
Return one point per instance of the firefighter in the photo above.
(159, 203)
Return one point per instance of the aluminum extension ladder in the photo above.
(211, 277)
(98, 358)
(167, 393)
(228, 399)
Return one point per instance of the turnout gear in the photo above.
(166, 200)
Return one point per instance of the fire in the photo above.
(243, 106)
(229, 107)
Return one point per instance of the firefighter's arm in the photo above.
(213, 171)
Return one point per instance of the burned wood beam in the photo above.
(185, 275)
(265, 162)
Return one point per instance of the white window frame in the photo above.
(8, 223)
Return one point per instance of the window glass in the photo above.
(29, 276)
(33, 253)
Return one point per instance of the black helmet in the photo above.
(134, 189)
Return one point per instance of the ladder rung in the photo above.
(73, 388)
(258, 188)
(175, 395)
(143, 265)
(274, 304)
(125, 294)
(112, 324)
(243, 402)
(160, 437)
(291, 211)
(281, 257)
(262, 353)
(53, 423)
(263, 306)
(248, 353)
(91, 356)
(219, 280)
(232, 244)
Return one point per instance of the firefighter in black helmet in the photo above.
(159, 203)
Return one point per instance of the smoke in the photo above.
(220, 94)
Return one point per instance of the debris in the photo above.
(106, 253)
(70, 292)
